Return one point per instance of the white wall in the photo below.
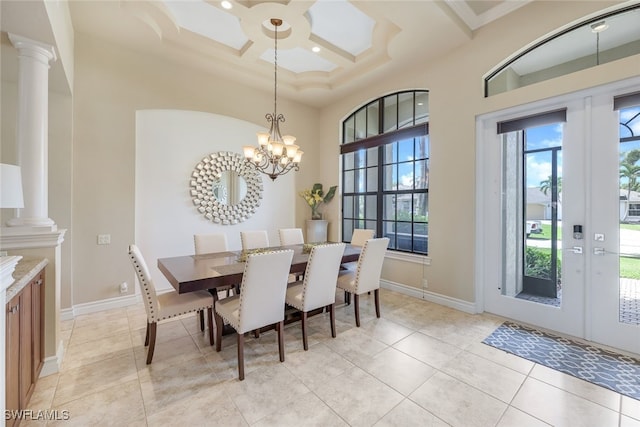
(169, 145)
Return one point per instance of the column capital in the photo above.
(44, 52)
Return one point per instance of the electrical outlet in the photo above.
(424, 283)
(124, 288)
(104, 239)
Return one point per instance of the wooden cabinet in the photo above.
(24, 344)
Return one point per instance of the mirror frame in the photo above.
(206, 174)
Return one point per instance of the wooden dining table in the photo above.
(213, 271)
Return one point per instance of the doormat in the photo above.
(605, 368)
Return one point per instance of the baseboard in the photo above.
(458, 304)
(52, 364)
(95, 306)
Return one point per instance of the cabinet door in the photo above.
(37, 308)
(12, 368)
(26, 346)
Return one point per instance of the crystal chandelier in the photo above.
(275, 154)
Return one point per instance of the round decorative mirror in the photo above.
(225, 189)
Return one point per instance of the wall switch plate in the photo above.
(124, 287)
(598, 237)
(104, 239)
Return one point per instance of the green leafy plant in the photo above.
(316, 197)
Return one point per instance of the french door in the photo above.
(557, 181)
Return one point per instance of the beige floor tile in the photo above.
(629, 422)
(317, 365)
(100, 317)
(459, 336)
(355, 345)
(427, 349)
(168, 353)
(386, 331)
(87, 379)
(207, 406)
(413, 316)
(117, 406)
(501, 357)
(94, 351)
(491, 378)
(561, 408)
(95, 332)
(265, 391)
(589, 391)
(631, 407)
(398, 370)
(516, 418)
(67, 325)
(306, 410)
(359, 398)
(458, 403)
(166, 331)
(407, 413)
(176, 384)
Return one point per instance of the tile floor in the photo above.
(421, 364)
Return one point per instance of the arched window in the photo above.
(385, 170)
(605, 38)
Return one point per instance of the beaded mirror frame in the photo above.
(206, 177)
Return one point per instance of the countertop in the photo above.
(26, 270)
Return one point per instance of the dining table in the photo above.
(213, 271)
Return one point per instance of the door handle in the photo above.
(603, 251)
(576, 249)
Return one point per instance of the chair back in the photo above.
(254, 239)
(319, 285)
(291, 236)
(361, 235)
(370, 264)
(210, 243)
(263, 289)
(146, 284)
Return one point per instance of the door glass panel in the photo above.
(629, 262)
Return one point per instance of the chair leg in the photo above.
(332, 319)
(256, 333)
(347, 297)
(356, 305)
(201, 320)
(146, 337)
(280, 327)
(240, 356)
(152, 341)
(210, 323)
(303, 323)
(219, 327)
(376, 295)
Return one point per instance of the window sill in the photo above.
(408, 257)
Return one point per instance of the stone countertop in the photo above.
(26, 270)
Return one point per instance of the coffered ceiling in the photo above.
(326, 48)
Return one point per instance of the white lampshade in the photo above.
(10, 186)
(263, 138)
(288, 139)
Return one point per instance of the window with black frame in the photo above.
(385, 170)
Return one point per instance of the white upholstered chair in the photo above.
(210, 243)
(166, 305)
(366, 277)
(361, 235)
(254, 239)
(318, 288)
(261, 300)
(290, 236)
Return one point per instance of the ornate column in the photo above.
(32, 130)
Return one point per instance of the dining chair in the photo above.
(318, 288)
(210, 243)
(254, 239)
(207, 244)
(166, 305)
(358, 237)
(260, 302)
(290, 236)
(366, 277)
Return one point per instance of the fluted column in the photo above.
(33, 130)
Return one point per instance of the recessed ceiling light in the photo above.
(226, 4)
(315, 49)
(598, 27)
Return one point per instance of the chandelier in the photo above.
(275, 154)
